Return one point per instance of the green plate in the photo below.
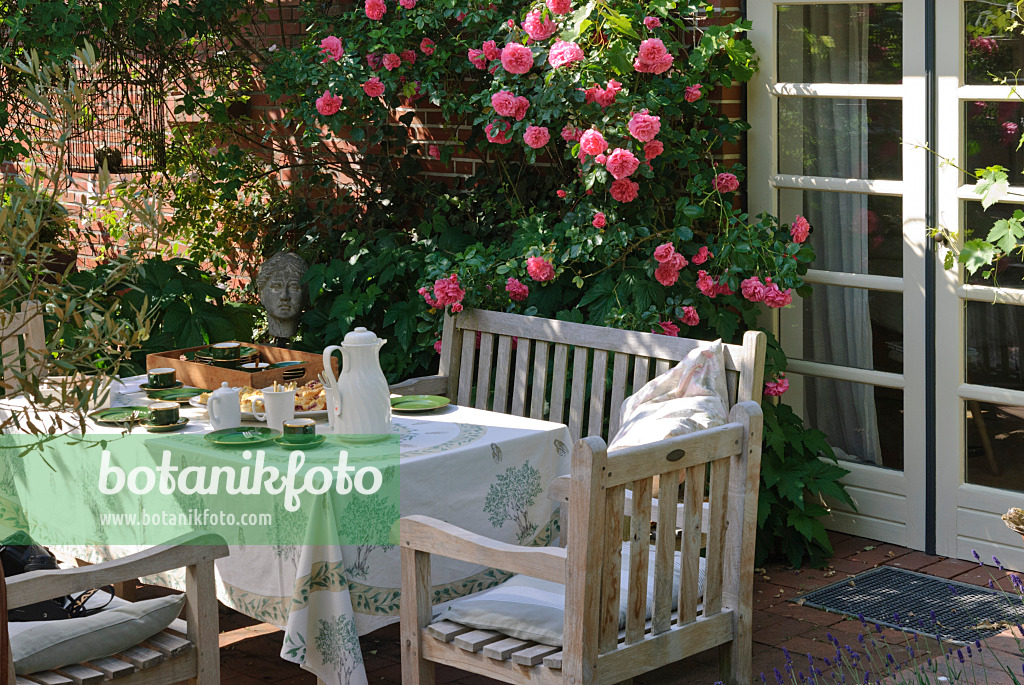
(148, 389)
(243, 435)
(317, 440)
(419, 402)
(119, 415)
(180, 395)
(154, 428)
(366, 439)
(284, 365)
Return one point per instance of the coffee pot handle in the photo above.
(328, 355)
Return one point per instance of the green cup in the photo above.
(298, 431)
(164, 413)
(226, 351)
(161, 378)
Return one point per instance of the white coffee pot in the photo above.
(361, 401)
(224, 408)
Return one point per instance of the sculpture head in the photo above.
(279, 283)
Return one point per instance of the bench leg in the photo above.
(416, 613)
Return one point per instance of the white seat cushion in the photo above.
(531, 609)
(45, 645)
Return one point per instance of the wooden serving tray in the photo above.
(210, 377)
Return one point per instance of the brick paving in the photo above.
(249, 650)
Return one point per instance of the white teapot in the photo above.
(224, 408)
(361, 401)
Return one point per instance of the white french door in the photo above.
(840, 119)
(840, 97)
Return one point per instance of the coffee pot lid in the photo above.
(360, 336)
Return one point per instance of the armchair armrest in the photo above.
(424, 385)
(187, 550)
(558, 491)
(426, 534)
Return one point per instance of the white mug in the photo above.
(278, 407)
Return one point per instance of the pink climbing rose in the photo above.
(536, 136)
(434, 152)
(540, 269)
(599, 220)
(427, 47)
(561, 193)
(491, 51)
(703, 254)
(624, 190)
(496, 134)
(644, 127)
(563, 53)
(753, 289)
(666, 274)
(431, 302)
(621, 163)
(800, 229)
(664, 252)
(537, 26)
(516, 58)
(777, 387)
(437, 346)
(653, 57)
(476, 56)
(328, 104)
(409, 56)
(652, 22)
(668, 328)
(692, 93)
(592, 142)
(517, 290)
(407, 4)
(332, 48)
(690, 317)
(504, 103)
(559, 6)
(653, 149)
(392, 61)
(375, 9)
(571, 134)
(374, 88)
(726, 183)
(776, 298)
(448, 290)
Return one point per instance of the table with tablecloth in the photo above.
(483, 471)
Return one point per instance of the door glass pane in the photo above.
(991, 52)
(840, 137)
(863, 423)
(852, 232)
(841, 43)
(995, 445)
(991, 133)
(1009, 271)
(848, 327)
(994, 344)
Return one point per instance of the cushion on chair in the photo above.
(45, 645)
(688, 397)
(532, 609)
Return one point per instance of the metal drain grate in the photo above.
(925, 604)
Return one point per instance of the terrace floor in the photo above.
(249, 651)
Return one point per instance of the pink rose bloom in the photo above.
(559, 6)
(460, 16)
(517, 290)
(332, 48)
(516, 58)
(653, 149)
(561, 193)
(706, 284)
(328, 104)
(753, 289)
(653, 58)
(599, 220)
(592, 142)
(491, 51)
(703, 254)
(624, 190)
(540, 269)
(652, 22)
(776, 299)
(723, 289)
(726, 183)
(606, 97)
(1009, 132)
(776, 388)
(692, 93)
(571, 134)
(676, 261)
(800, 229)
(373, 60)
(664, 252)
(537, 26)
(477, 58)
(457, 307)
(375, 9)
(666, 275)
(431, 302)
(392, 61)
(668, 328)
(437, 346)
(601, 158)
(621, 163)
(434, 152)
(427, 47)
(690, 317)
(374, 88)
(448, 290)
(563, 53)
(644, 127)
(536, 136)
(504, 103)
(496, 134)
(407, 4)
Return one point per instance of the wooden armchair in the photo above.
(185, 651)
(595, 650)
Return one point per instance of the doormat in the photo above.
(906, 600)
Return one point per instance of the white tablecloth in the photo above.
(483, 471)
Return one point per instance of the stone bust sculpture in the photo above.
(279, 283)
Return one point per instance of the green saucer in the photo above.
(419, 402)
(312, 442)
(243, 435)
(363, 439)
(154, 428)
(179, 395)
(120, 415)
(147, 388)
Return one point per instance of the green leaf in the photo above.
(992, 185)
(576, 26)
(1005, 233)
(620, 23)
(976, 254)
